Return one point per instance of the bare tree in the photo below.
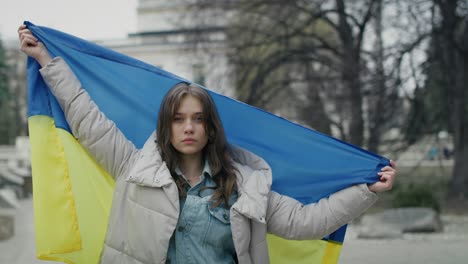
(439, 102)
(450, 36)
(382, 98)
(308, 52)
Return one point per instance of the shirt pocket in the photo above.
(219, 232)
(221, 214)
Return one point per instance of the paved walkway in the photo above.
(21, 248)
(449, 247)
(404, 252)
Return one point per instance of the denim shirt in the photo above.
(203, 234)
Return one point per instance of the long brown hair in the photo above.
(216, 150)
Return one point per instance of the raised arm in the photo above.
(99, 135)
(291, 219)
(288, 218)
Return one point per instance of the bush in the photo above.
(416, 195)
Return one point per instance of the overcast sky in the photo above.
(88, 19)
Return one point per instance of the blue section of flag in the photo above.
(306, 164)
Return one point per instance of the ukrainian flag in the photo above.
(73, 194)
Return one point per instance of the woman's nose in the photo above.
(188, 127)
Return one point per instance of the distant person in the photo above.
(187, 196)
(447, 152)
(433, 153)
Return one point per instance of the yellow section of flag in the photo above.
(302, 251)
(72, 196)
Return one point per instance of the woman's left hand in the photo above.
(387, 177)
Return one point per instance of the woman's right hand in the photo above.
(32, 46)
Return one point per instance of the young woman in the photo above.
(186, 196)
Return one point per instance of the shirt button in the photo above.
(156, 180)
(225, 216)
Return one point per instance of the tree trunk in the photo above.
(377, 99)
(459, 184)
(351, 74)
(352, 80)
(455, 64)
(314, 113)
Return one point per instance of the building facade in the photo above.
(167, 38)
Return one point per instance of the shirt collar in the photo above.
(206, 170)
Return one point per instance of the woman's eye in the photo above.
(178, 119)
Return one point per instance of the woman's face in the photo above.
(188, 135)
